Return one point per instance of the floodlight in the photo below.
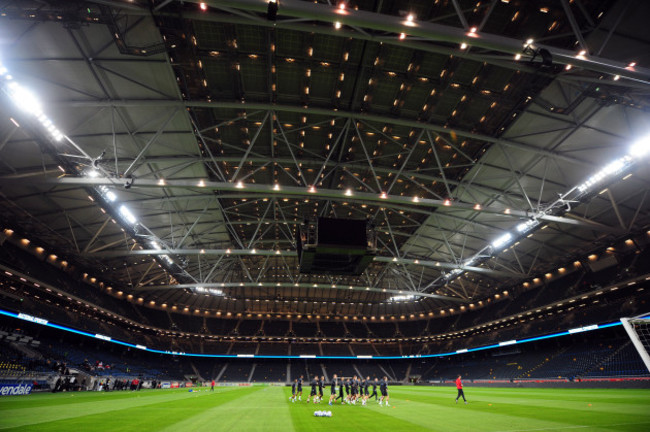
(405, 297)
(641, 147)
(24, 99)
(502, 241)
(127, 214)
(525, 226)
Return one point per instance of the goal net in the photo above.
(638, 329)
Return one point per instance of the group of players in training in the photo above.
(355, 390)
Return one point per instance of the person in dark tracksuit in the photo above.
(294, 387)
(375, 383)
(299, 388)
(334, 388)
(383, 389)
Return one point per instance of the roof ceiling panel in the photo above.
(479, 142)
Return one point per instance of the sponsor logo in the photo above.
(15, 389)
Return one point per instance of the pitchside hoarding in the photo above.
(15, 389)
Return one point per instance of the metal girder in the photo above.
(431, 32)
(284, 253)
(415, 43)
(299, 285)
(365, 117)
(332, 194)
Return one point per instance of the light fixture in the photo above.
(611, 169)
(24, 99)
(641, 147)
(502, 241)
(526, 226)
(127, 214)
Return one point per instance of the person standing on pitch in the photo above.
(341, 395)
(299, 389)
(212, 386)
(383, 389)
(459, 387)
(375, 383)
(293, 390)
(314, 384)
(366, 394)
(321, 383)
(333, 388)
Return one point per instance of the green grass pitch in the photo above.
(264, 408)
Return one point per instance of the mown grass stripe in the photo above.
(262, 408)
(104, 411)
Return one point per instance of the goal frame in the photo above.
(634, 337)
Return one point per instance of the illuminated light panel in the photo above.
(610, 170)
(502, 241)
(641, 147)
(127, 214)
(404, 297)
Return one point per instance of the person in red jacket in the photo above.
(459, 387)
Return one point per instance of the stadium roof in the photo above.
(189, 140)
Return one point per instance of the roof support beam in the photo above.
(365, 117)
(430, 31)
(298, 285)
(279, 253)
(333, 194)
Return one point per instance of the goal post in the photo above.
(638, 329)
